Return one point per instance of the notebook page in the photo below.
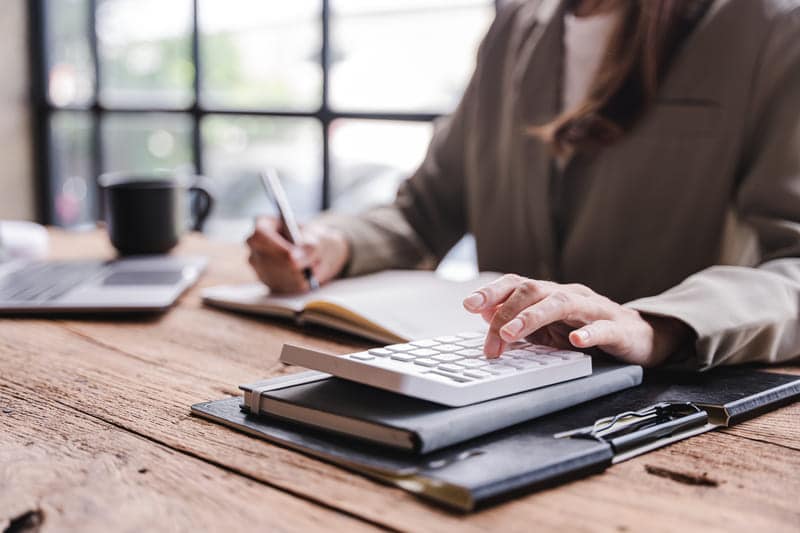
(256, 297)
(409, 304)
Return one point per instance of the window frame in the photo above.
(43, 110)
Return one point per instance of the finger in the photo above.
(559, 306)
(266, 233)
(550, 309)
(285, 278)
(524, 295)
(257, 264)
(601, 333)
(488, 314)
(493, 346)
(312, 249)
(267, 239)
(491, 294)
(268, 224)
(497, 291)
(284, 281)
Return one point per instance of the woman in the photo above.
(637, 163)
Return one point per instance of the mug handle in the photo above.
(203, 201)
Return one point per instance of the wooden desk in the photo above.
(96, 435)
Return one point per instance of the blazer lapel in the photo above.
(537, 83)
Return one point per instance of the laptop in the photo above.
(126, 285)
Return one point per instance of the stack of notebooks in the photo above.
(469, 457)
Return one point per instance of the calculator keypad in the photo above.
(461, 357)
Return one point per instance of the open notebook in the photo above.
(390, 306)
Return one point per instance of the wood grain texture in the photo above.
(126, 392)
(780, 427)
(139, 376)
(86, 475)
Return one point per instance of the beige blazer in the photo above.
(695, 214)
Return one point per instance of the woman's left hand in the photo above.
(572, 316)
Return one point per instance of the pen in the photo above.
(272, 185)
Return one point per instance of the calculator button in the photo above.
(362, 356)
(449, 339)
(423, 352)
(544, 359)
(517, 353)
(400, 347)
(499, 369)
(541, 348)
(446, 376)
(471, 343)
(448, 347)
(446, 357)
(404, 357)
(471, 363)
(479, 374)
(424, 343)
(424, 361)
(470, 352)
(469, 334)
(381, 352)
(523, 363)
(569, 356)
(450, 367)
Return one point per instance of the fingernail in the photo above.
(512, 329)
(583, 335)
(493, 345)
(474, 301)
(298, 254)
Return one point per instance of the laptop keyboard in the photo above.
(46, 281)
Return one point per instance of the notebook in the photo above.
(415, 425)
(542, 452)
(386, 307)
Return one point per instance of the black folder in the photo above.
(572, 443)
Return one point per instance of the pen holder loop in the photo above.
(630, 428)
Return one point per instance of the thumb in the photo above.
(300, 257)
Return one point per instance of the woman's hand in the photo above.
(572, 316)
(280, 264)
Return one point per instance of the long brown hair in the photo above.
(640, 50)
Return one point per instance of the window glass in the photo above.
(145, 53)
(258, 53)
(147, 141)
(70, 70)
(371, 157)
(260, 94)
(403, 55)
(236, 148)
(72, 186)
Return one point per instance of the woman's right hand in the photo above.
(280, 264)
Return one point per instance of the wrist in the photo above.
(341, 247)
(669, 336)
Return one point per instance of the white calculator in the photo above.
(449, 370)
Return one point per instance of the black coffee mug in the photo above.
(145, 213)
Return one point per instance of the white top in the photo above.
(585, 42)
